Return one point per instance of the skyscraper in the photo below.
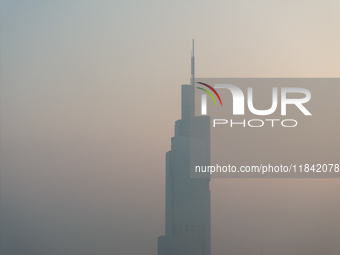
(187, 212)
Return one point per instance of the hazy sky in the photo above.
(90, 91)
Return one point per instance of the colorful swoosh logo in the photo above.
(209, 93)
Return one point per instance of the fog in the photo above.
(89, 95)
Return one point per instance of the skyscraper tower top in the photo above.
(187, 202)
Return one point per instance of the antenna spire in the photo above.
(193, 63)
(193, 47)
(193, 77)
